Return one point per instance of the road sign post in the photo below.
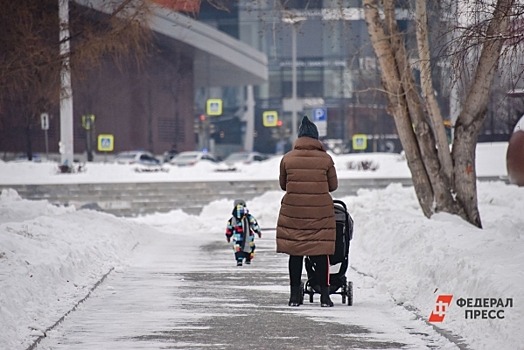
(360, 142)
(106, 143)
(44, 119)
(88, 123)
(320, 120)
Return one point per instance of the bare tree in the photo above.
(30, 59)
(444, 180)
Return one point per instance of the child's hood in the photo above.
(239, 211)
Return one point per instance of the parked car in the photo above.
(23, 157)
(238, 159)
(192, 157)
(245, 157)
(168, 155)
(137, 157)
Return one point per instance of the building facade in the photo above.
(149, 105)
(334, 64)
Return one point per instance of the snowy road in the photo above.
(176, 294)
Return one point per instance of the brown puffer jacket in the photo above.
(306, 222)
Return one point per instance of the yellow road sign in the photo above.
(360, 142)
(270, 118)
(214, 107)
(88, 121)
(106, 142)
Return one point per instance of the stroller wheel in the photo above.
(349, 293)
(310, 290)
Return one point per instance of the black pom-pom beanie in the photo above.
(307, 128)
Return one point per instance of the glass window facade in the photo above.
(334, 61)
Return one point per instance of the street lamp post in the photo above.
(294, 80)
(295, 21)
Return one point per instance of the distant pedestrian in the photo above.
(306, 223)
(240, 231)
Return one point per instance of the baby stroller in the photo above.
(338, 281)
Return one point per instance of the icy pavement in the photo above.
(163, 301)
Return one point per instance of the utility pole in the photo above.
(249, 117)
(66, 93)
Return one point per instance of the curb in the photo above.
(61, 319)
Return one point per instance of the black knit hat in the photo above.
(307, 128)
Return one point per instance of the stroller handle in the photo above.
(338, 201)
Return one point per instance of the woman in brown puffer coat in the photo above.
(306, 223)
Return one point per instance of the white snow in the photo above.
(520, 125)
(50, 257)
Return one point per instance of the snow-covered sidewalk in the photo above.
(187, 292)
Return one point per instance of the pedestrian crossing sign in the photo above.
(106, 142)
(360, 142)
(214, 107)
(270, 118)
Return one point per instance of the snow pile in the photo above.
(417, 259)
(50, 257)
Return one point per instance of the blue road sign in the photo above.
(319, 114)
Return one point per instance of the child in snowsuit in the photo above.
(241, 229)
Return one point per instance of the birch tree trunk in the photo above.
(428, 91)
(442, 199)
(471, 118)
(398, 105)
(440, 167)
